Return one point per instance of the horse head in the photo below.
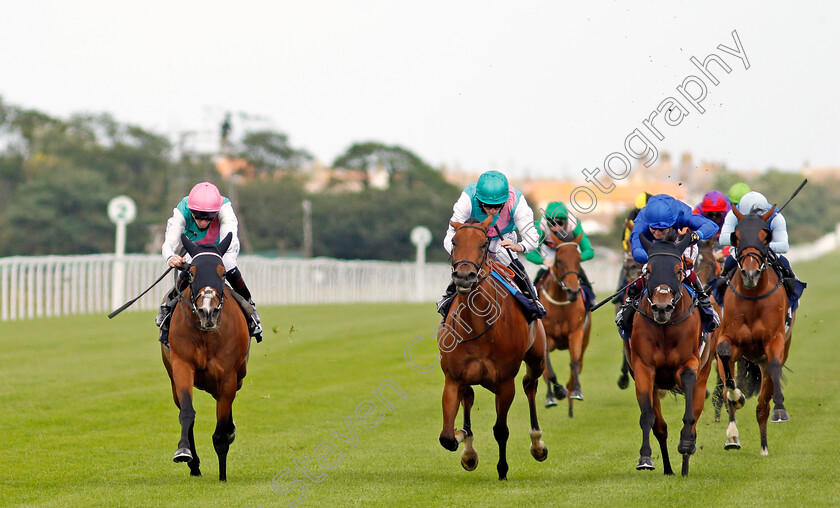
(566, 262)
(632, 268)
(206, 274)
(751, 240)
(470, 247)
(664, 275)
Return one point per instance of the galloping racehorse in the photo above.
(567, 322)
(667, 352)
(483, 341)
(753, 326)
(631, 270)
(209, 346)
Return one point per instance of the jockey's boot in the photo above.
(788, 277)
(588, 292)
(446, 300)
(626, 313)
(541, 273)
(709, 317)
(234, 276)
(169, 302)
(725, 274)
(520, 276)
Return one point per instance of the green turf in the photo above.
(89, 420)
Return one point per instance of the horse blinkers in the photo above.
(207, 301)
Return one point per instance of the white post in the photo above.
(421, 236)
(121, 211)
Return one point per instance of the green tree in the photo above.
(270, 151)
(404, 167)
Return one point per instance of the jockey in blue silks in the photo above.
(661, 217)
(756, 202)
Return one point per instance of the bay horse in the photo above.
(567, 323)
(753, 326)
(208, 348)
(630, 270)
(483, 341)
(668, 352)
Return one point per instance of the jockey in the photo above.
(737, 191)
(713, 207)
(492, 196)
(205, 217)
(664, 215)
(756, 202)
(556, 219)
(640, 202)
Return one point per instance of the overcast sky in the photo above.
(543, 88)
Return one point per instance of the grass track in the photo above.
(89, 420)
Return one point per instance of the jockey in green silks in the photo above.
(557, 219)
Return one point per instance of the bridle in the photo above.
(204, 293)
(456, 264)
(675, 299)
(559, 279)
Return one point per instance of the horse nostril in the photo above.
(472, 276)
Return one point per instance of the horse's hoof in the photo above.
(732, 444)
(550, 400)
(576, 395)
(687, 447)
(780, 415)
(623, 381)
(469, 461)
(540, 454)
(182, 455)
(645, 463)
(560, 392)
(195, 472)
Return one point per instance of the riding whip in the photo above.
(131, 302)
(602, 302)
(794, 194)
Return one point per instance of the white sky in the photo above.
(545, 88)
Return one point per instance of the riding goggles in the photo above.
(197, 216)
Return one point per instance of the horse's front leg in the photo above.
(777, 355)
(183, 375)
(555, 391)
(688, 436)
(469, 457)
(643, 376)
(450, 409)
(575, 365)
(224, 434)
(504, 398)
(534, 361)
(660, 431)
(735, 399)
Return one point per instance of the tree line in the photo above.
(58, 175)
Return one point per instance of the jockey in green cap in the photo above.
(557, 219)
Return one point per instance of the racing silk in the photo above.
(685, 219)
(756, 202)
(545, 253)
(515, 216)
(182, 222)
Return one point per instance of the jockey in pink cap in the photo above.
(205, 217)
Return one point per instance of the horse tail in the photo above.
(749, 377)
